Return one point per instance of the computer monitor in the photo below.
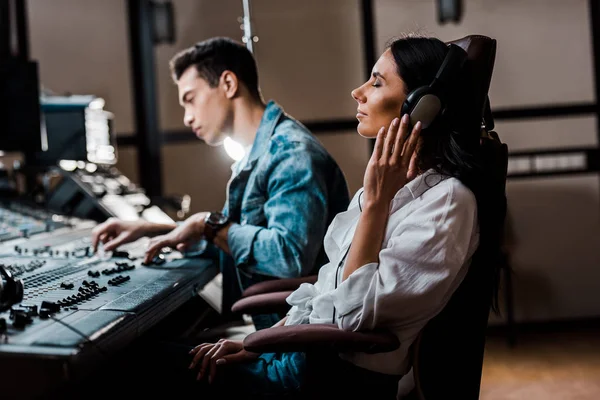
(77, 128)
(19, 107)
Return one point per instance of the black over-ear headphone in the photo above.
(11, 290)
(425, 103)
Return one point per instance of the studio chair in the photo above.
(448, 354)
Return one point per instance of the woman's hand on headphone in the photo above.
(393, 162)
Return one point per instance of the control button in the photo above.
(158, 260)
(32, 310)
(67, 285)
(21, 319)
(120, 253)
(117, 280)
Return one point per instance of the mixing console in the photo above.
(75, 307)
(17, 220)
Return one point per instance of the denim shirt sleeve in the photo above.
(296, 213)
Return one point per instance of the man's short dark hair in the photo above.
(214, 56)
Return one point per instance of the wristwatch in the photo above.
(213, 222)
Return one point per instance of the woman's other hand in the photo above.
(211, 355)
(393, 162)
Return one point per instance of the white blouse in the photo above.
(431, 236)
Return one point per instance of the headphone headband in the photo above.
(427, 102)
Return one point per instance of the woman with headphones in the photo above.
(404, 244)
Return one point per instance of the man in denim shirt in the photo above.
(281, 196)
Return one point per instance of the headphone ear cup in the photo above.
(422, 104)
(412, 99)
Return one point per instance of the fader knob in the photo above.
(21, 319)
(50, 306)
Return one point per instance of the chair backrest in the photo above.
(448, 355)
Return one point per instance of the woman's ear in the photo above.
(230, 84)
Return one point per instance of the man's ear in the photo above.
(230, 84)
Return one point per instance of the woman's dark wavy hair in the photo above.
(446, 145)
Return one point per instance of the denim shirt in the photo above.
(281, 199)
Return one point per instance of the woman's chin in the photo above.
(365, 131)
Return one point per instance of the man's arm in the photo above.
(296, 213)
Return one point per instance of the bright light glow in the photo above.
(68, 165)
(233, 149)
(91, 168)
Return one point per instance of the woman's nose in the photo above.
(356, 95)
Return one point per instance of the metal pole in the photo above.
(249, 37)
(22, 30)
(368, 27)
(5, 31)
(595, 31)
(148, 137)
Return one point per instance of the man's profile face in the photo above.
(206, 108)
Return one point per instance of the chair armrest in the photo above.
(266, 303)
(318, 337)
(278, 285)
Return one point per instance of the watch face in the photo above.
(217, 218)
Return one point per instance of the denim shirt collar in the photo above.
(266, 128)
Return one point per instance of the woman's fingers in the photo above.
(378, 149)
(412, 144)
(199, 352)
(401, 138)
(405, 142)
(207, 359)
(200, 347)
(390, 138)
(222, 351)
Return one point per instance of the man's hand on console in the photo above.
(179, 238)
(115, 232)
